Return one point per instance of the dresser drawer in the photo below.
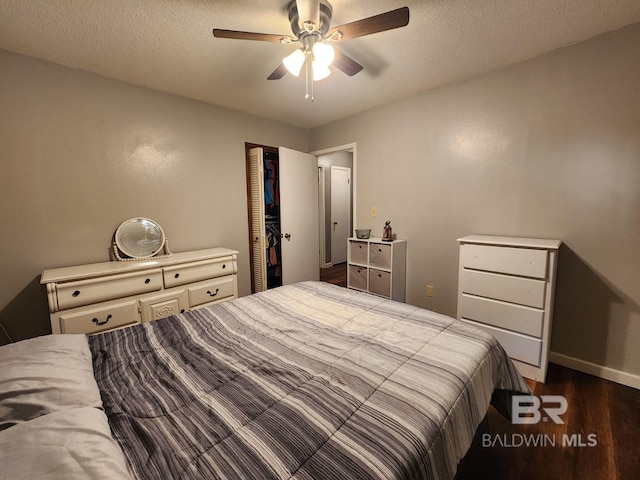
(523, 291)
(525, 262)
(505, 315)
(211, 291)
(196, 271)
(94, 320)
(380, 282)
(520, 347)
(357, 277)
(95, 290)
(164, 305)
(358, 252)
(380, 255)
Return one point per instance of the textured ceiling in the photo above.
(168, 45)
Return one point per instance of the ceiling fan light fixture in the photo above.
(294, 62)
(323, 54)
(310, 22)
(320, 72)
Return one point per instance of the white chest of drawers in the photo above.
(104, 296)
(377, 267)
(506, 287)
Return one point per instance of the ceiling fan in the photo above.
(311, 26)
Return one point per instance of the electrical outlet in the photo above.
(374, 212)
(429, 290)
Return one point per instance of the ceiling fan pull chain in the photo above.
(306, 75)
(309, 74)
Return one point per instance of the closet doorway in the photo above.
(282, 199)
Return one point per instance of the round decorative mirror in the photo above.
(139, 238)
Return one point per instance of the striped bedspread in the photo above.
(307, 381)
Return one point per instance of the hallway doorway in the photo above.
(336, 202)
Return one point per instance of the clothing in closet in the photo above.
(273, 243)
(271, 190)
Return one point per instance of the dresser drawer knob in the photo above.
(98, 322)
(147, 280)
(224, 265)
(176, 275)
(76, 293)
(213, 294)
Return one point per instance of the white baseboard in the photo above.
(618, 376)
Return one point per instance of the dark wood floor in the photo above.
(600, 413)
(336, 274)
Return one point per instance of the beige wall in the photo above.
(549, 147)
(80, 153)
(546, 148)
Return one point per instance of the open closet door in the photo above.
(299, 216)
(256, 197)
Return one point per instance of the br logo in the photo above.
(531, 408)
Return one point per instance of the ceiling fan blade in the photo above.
(378, 23)
(278, 73)
(346, 64)
(262, 37)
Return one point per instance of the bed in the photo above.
(306, 381)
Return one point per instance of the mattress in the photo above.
(305, 381)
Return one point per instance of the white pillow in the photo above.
(72, 444)
(43, 375)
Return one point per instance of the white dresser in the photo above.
(506, 287)
(377, 267)
(108, 295)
